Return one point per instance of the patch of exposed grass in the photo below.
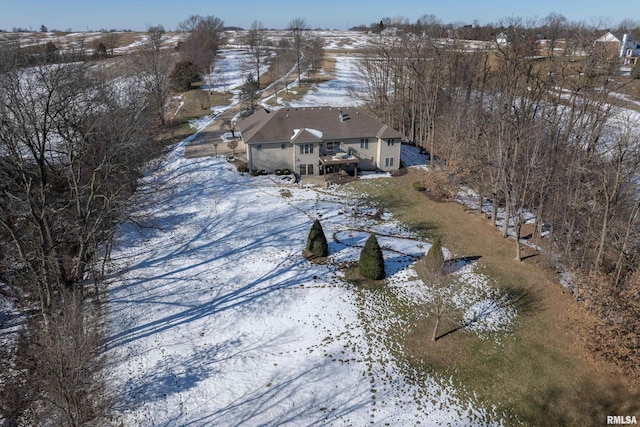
(192, 104)
(285, 193)
(296, 92)
(540, 374)
(198, 103)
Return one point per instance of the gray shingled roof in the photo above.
(281, 125)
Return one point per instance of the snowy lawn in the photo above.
(337, 92)
(216, 319)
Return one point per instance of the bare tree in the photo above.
(314, 52)
(153, 65)
(110, 41)
(233, 144)
(284, 62)
(65, 365)
(258, 48)
(230, 123)
(72, 148)
(69, 154)
(206, 34)
(298, 28)
(616, 175)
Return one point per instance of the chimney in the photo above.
(341, 116)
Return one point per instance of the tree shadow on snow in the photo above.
(523, 300)
(456, 264)
(278, 402)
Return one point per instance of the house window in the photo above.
(390, 142)
(364, 143)
(303, 169)
(283, 146)
(306, 148)
(310, 169)
(259, 147)
(388, 161)
(333, 147)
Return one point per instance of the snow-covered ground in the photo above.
(338, 91)
(230, 71)
(11, 322)
(217, 319)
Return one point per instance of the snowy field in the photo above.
(337, 92)
(216, 319)
(230, 71)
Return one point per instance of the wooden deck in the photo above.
(339, 159)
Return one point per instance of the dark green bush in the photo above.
(316, 241)
(183, 74)
(278, 172)
(418, 186)
(371, 263)
(286, 171)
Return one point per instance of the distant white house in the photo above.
(607, 38)
(629, 49)
(501, 39)
(607, 45)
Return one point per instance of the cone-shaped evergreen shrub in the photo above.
(371, 262)
(434, 259)
(316, 241)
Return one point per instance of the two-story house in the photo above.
(318, 140)
(629, 49)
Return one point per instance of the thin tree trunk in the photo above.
(434, 335)
(625, 243)
(518, 228)
(505, 221)
(603, 234)
(494, 210)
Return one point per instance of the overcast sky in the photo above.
(81, 15)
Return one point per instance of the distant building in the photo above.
(607, 46)
(501, 39)
(629, 49)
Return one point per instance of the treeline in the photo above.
(531, 125)
(75, 138)
(49, 50)
(74, 141)
(475, 31)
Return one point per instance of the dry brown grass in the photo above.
(543, 373)
(193, 101)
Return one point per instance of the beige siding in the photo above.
(270, 156)
(365, 152)
(305, 158)
(388, 155)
